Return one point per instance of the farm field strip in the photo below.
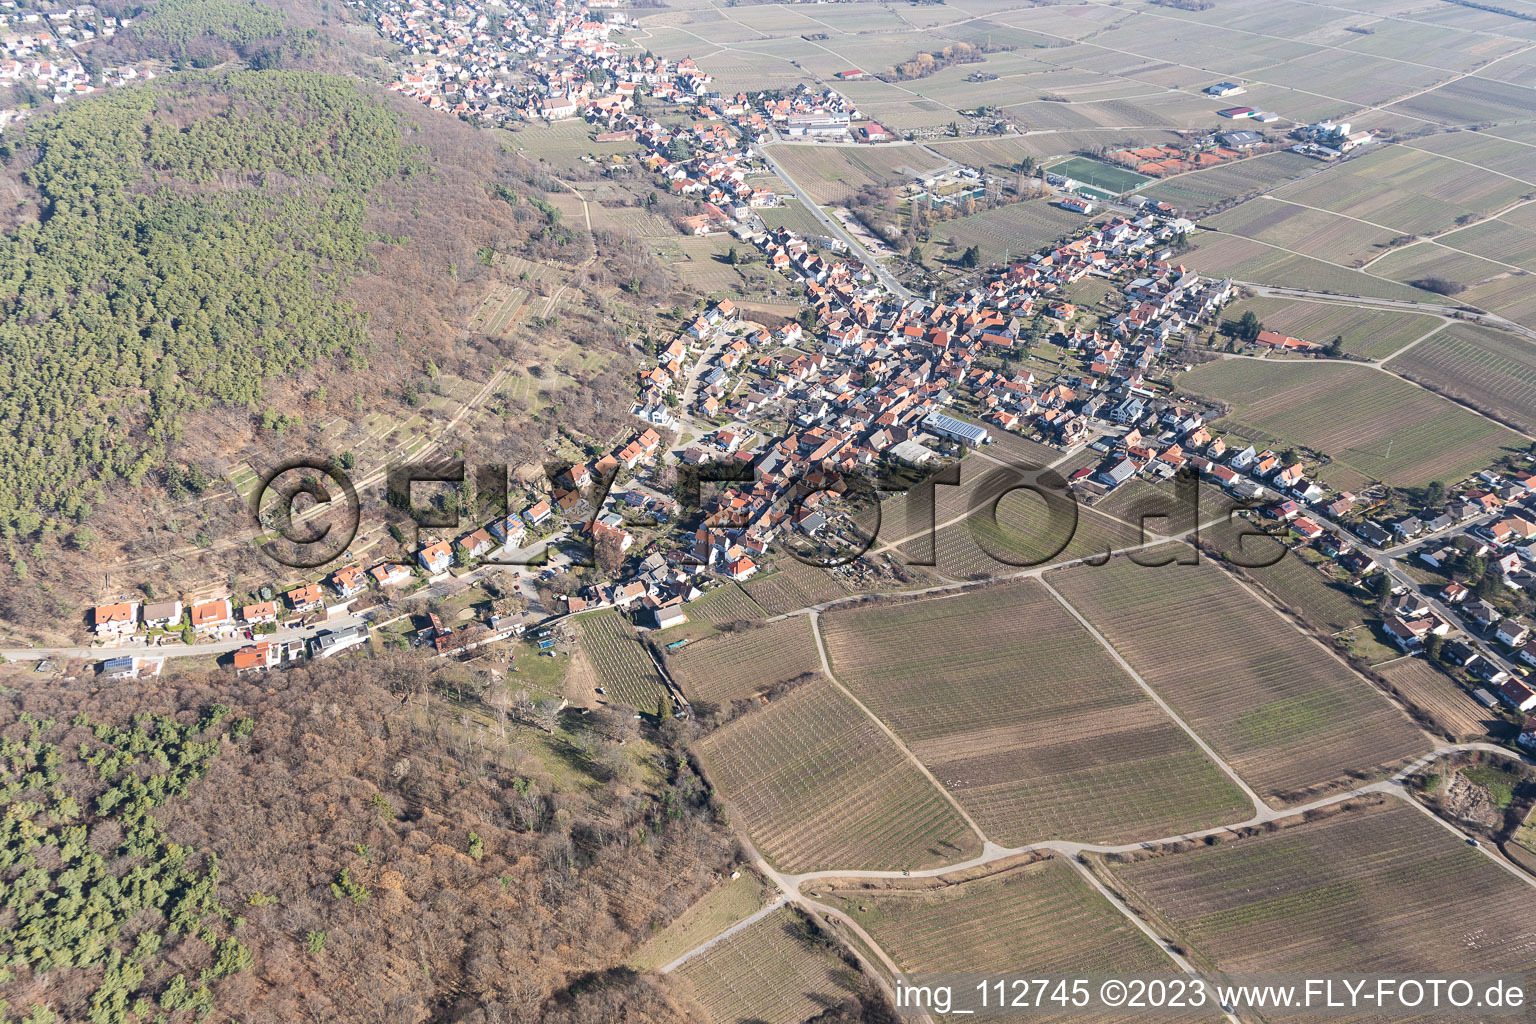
(819, 786)
(1045, 915)
(1375, 426)
(735, 666)
(765, 974)
(794, 585)
(626, 671)
(1430, 689)
(725, 604)
(1285, 714)
(1375, 890)
(1369, 333)
(1491, 370)
(1025, 719)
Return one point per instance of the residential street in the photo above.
(834, 228)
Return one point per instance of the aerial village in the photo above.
(870, 377)
(40, 52)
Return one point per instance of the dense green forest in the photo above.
(88, 878)
(174, 24)
(193, 240)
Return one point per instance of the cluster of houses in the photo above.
(217, 619)
(905, 379)
(715, 172)
(509, 62)
(568, 500)
(38, 47)
(1329, 140)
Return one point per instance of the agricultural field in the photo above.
(1197, 191)
(732, 901)
(1250, 261)
(819, 786)
(792, 215)
(969, 544)
(1405, 190)
(1285, 713)
(1044, 914)
(1488, 369)
(1504, 240)
(1374, 426)
(1001, 155)
(1481, 148)
(1378, 890)
(1296, 586)
(1036, 730)
(735, 666)
(832, 174)
(1471, 100)
(623, 668)
(1429, 259)
(1323, 236)
(767, 974)
(1025, 534)
(1453, 709)
(794, 585)
(1368, 333)
(562, 145)
(725, 604)
(1013, 231)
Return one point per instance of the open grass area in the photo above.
(1286, 714)
(1033, 727)
(820, 786)
(732, 901)
(1373, 425)
(625, 670)
(1380, 890)
(1106, 177)
(1044, 914)
(1491, 370)
(735, 666)
(767, 974)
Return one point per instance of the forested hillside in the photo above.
(176, 262)
(309, 847)
(200, 270)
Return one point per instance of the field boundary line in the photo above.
(1382, 362)
(826, 670)
(1124, 908)
(1259, 804)
(1259, 596)
(707, 944)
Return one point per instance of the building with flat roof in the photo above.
(956, 430)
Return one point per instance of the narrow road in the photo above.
(744, 923)
(830, 223)
(1443, 309)
(1392, 786)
